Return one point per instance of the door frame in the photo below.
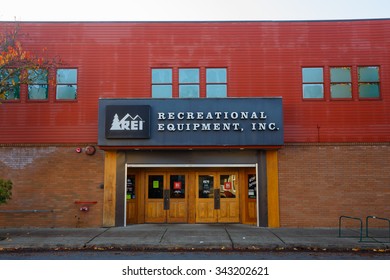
(138, 166)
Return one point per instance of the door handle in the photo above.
(166, 199)
(217, 199)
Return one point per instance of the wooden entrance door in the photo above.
(177, 212)
(229, 211)
(217, 199)
(166, 197)
(131, 201)
(251, 200)
(205, 200)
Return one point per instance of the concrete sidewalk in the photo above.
(192, 237)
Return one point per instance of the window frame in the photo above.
(57, 83)
(181, 83)
(303, 83)
(225, 83)
(359, 82)
(17, 86)
(31, 83)
(331, 83)
(153, 84)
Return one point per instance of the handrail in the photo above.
(354, 218)
(378, 218)
(26, 211)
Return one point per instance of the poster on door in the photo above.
(206, 186)
(227, 186)
(177, 186)
(252, 186)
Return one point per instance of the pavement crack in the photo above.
(163, 235)
(277, 236)
(230, 238)
(93, 238)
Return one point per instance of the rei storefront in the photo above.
(191, 160)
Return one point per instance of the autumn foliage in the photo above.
(15, 62)
(5, 190)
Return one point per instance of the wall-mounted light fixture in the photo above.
(90, 150)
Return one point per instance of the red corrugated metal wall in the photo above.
(263, 59)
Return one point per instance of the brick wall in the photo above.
(318, 183)
(52, 178)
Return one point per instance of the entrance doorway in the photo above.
(166, 197)
(190, 195)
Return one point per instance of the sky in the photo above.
(191, 10)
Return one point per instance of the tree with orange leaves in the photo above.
(16, 65)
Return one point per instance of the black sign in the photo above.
(128, 122)
(252, 186)
(191, 122)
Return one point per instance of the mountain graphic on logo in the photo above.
(124, 123)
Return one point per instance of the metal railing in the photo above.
(378, 218)
(353, 218)
(373, 238)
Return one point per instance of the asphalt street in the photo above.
(191, 255)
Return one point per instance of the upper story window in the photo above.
(9, 79)
(340, 82)
(38, 84)
(189, 83)
(216, 82)
(313, 82)
(368, 82)
(66, 84)
(162, 83)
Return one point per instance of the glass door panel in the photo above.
(155, 186)
(252, 186)
(206, 186)
(228, 186)
(177, 186)
(130, 190)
